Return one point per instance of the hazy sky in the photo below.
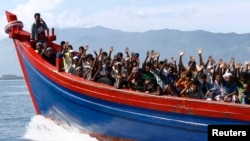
(134, 15)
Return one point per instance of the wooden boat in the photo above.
(116, 114)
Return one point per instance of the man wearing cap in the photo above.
(229, 86)
(38, 29)
(39, 47)
(49, 56)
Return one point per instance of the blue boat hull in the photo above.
(111, 119)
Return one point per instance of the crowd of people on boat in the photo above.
(208, 80)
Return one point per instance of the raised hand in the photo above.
(182, 53)
(95, 52)
(100, 51)
(111, 49)
(191, 58)
(86, 47)
(199, 51)
(152, 54)
(157, 54)
(232, 60)
(126, 50)
(210, 58)
(148, 53)
(165, 61)
(173, 59)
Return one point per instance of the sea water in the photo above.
(18, 121)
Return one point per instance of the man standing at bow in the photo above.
(38, 29)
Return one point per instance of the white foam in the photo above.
(43, 129)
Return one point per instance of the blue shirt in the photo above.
(168, 79)
(229, 88)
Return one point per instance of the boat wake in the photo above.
(43, 129)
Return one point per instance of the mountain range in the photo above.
(167, 42)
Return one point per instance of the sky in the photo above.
(223, 16)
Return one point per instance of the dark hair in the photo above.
(149, 64)
(161, 62)
(104, 53)
(62, 43)
(189, 74)
(137, 55)
(108, 68)
(70, 47)
(81, 47)
(203, 76)
(37, 14)
(107, 58)
(89, 55)
(191, 63)
(120, 54)
(245, 75)
(196, 82)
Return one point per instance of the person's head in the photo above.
(148, 66)
(37, 17)
(134, 63)
(70, 47)
(246, 88)
(124, 75)
(195, 86)
(170, 70)
(151, 84)
(75, 59)
(89, 57)
(38, 46)
(192, 65)
(49, 51)
(62, 43)
(104, 55)
(108, 70)
(155, 64)
(119, 66)
(79, 71)
(135, 70)
(135, 56)
(161, 63)
(71, 53)
(44, 44)
(209, 69)
(91, 60)
(107, 61)
(81, 49)
(137, 74)
(203, 78)
(188, 76)
(119, 56)
(228, 77)
(244, 77)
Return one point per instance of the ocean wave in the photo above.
(41, 129)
